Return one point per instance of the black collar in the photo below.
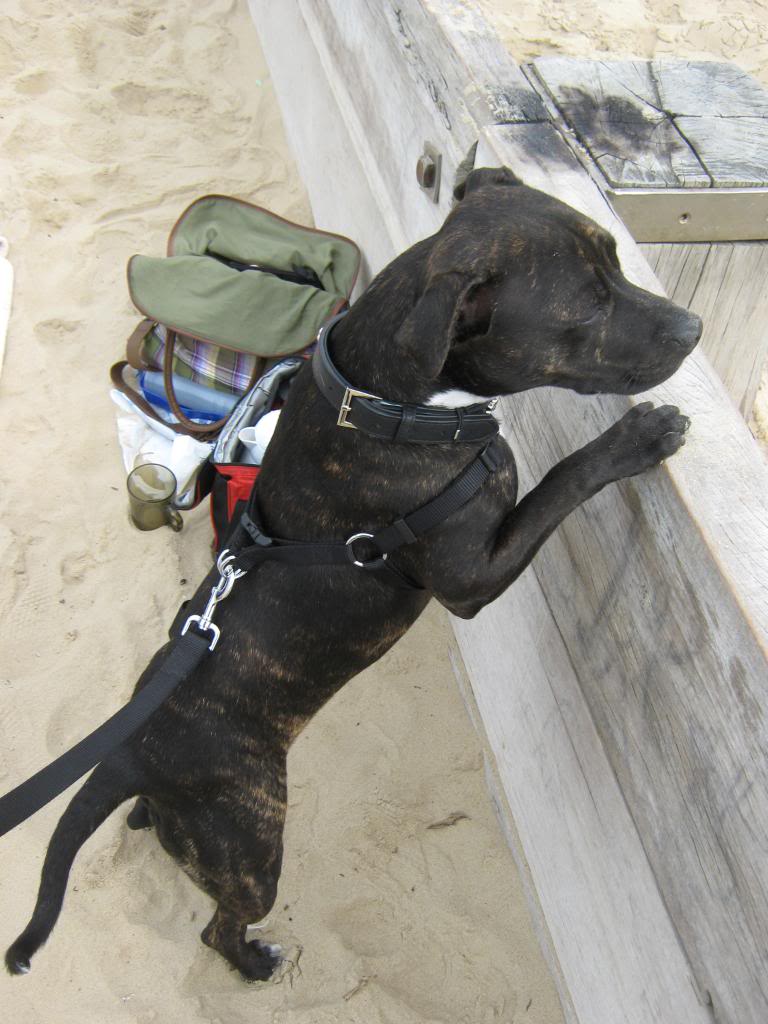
(393, 421)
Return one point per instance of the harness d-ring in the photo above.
(373, 563)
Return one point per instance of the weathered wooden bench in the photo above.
(621, 683)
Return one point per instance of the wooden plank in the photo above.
(658, 588)
(616, 112)
(733, 149)
(725, 284)
(389, 127)
(416, 94)
(697, 88)
(723, 115)
(597, 891)
(319, 137)
(678, 267)
(492, 88)
(664, 124)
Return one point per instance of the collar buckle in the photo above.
(346, 406)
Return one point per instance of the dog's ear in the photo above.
(428, 331)
(484, 176)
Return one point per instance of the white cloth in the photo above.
(139, 435)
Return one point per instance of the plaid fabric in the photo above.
(210, 365)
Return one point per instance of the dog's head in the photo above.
(521, 291)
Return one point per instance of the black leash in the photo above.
(187, 651)
(22, 802)
(200, 634)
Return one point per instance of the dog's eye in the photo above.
(592, 299)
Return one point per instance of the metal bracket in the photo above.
(428, 170)
(693, 214)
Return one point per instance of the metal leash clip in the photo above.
(224, 563)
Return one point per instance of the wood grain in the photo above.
(697, 88)
(724, 283)
(617, 114)
(664, 124)
(734, 150)
(417, 90)
(618, 952)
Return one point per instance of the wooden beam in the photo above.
(664, 124)
(658, 589)
(614, 109)
(339, 188)
(418, 92)
(617, 955)
(734, 149)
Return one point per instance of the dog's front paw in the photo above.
(641, 439)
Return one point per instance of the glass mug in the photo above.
(151, 489)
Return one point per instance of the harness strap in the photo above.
(291, 553)
(183, 658)
(404, 530)
(409, 528)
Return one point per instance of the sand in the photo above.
(731, 30)
(112, 118)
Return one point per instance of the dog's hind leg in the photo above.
(109, 785)
(241, 867)
(225, 933)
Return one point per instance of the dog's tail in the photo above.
(104, 790)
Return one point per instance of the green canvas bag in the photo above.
(239, 286)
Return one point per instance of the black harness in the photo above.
(250, 547)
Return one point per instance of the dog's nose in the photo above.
(686, 331)
(697, 326)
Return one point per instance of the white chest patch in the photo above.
(454, 398)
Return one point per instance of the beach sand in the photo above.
(113, 118)
(729, 30)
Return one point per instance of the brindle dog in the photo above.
(515, 291)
